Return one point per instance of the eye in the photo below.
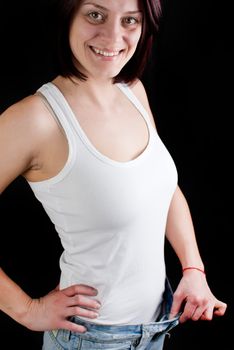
(131, 21)
(95, 17)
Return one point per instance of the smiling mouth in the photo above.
(105, 53)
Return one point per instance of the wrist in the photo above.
(193, 268)
(20, 311)
(27, 318)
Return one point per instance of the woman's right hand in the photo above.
(54, 309)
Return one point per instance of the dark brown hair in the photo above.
(67, 67)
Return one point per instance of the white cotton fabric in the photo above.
(111, 217)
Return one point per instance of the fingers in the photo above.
(195, 301)
(202, 314)
(207, 314)
(176, 306)
(73, 327)
(80, 303)
(82, 300)
(83, 306)
(197, 308)
(188, 312)
(202, 310)
(220, 308)
(79, 311)
(79, 289)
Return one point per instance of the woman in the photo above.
(88, 147)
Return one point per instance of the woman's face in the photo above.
(104, 35)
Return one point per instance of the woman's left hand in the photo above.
(194, 299)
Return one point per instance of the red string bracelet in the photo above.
(193, 268)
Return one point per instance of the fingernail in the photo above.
(83, 330)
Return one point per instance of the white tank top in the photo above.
(111, 217)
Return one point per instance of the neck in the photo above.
(100, 92)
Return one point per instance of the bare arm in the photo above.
(16, 144)
(52, 310)
(193, 296)
(13, 300)
(180, 232)
(16, 156)
(24, 128)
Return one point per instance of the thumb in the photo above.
(176, 307)
(220, 308)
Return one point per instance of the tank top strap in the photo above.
(135, 101)
(63, 113)
(55, 104)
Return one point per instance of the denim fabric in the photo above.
(148, 336)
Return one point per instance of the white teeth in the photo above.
(105, 53)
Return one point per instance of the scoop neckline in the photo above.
(90, 146)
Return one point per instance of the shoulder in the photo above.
(139, 91)
(28, 116)
(25, 127)
(20, 135)
(25, 110)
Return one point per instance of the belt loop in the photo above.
(66, 335)
(55, 332)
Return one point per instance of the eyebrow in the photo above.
(106, 9)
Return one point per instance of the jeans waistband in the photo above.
(164, 324)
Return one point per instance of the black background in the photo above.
(189, 84)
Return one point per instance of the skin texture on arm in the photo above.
(15, 145)
(193, 296)
(25, 133)
(52, 310)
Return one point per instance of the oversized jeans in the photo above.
(149, 336)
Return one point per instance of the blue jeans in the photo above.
(148, 336)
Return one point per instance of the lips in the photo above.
(104, 52)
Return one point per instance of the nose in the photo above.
(112, 31)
